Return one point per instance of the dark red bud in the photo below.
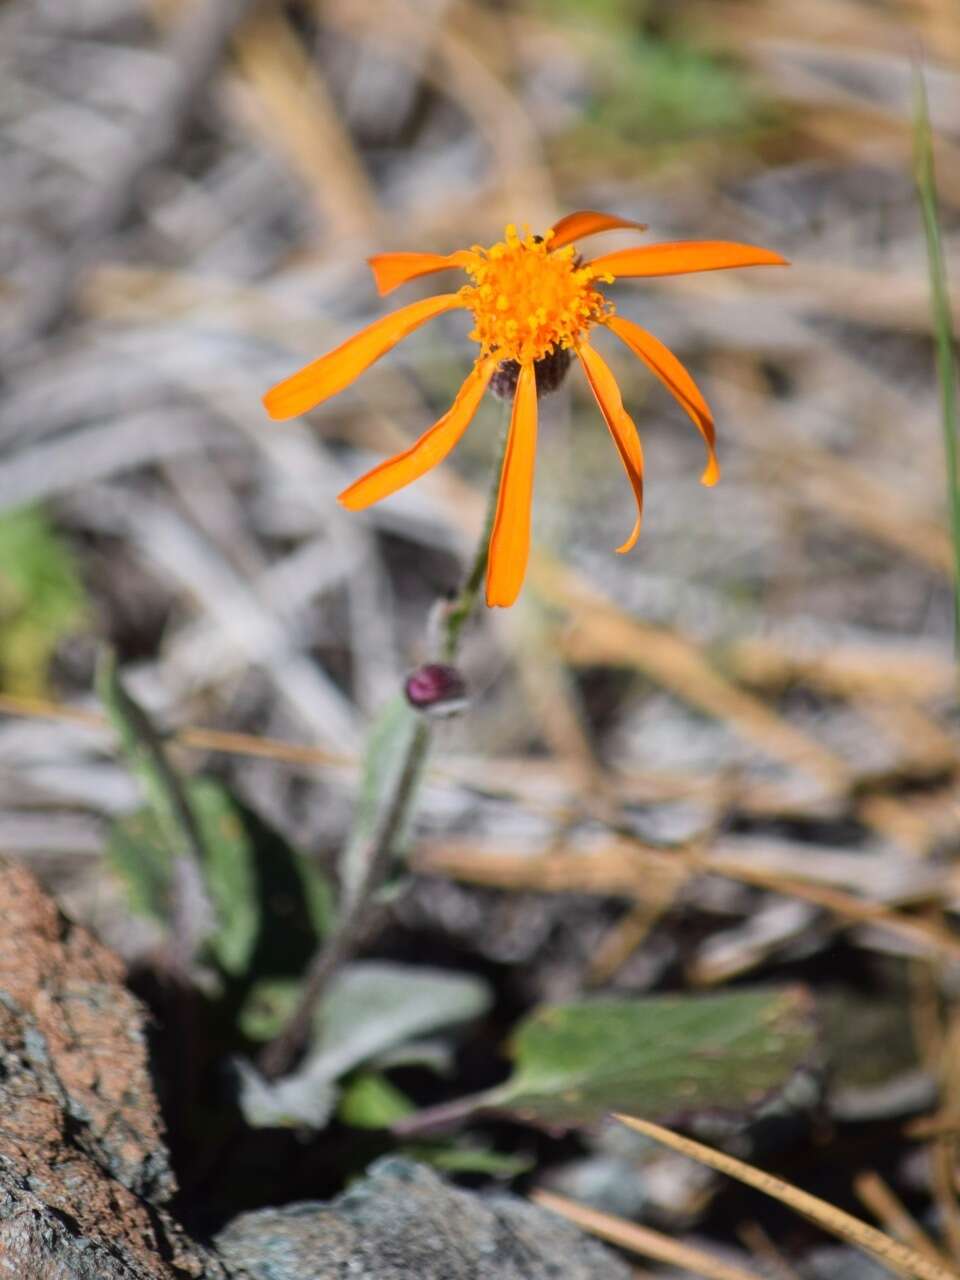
(436, 688)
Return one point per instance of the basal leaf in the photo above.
(370, 1101)
(270, 905)
(730, 1052)
(370, 1007)
(143, 862)
(228, 869)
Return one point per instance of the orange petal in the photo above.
(432, 447)
(678, 382)
(621, 425)
(390, 270)
(587, 222)
(323, 378)
(510, 539)
(683, 256)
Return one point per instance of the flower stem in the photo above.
(462, 607)
(358, 914)
(353, 925)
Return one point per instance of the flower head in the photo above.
(529, 299)
(534, 303)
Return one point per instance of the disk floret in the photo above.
(528, 302)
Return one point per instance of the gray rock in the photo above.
(401, 1221)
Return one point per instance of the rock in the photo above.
(85, 1174)
(403, 1220)
(84, 1171)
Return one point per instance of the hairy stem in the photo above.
(359, 913)
(352, 926)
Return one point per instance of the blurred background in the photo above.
(190, 188)
(189, 194)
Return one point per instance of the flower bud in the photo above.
(436, 689)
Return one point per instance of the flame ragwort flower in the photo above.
(534, 302)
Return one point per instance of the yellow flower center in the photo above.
(527, 301)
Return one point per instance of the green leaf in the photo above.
(318, 896)
(370, 1007)
(143, 862)
(228, 870)
(370, 1101)
(42, 599)
(373, 1005)
(730, 1052)
(271, 905)
(265, 906)
(188, 909)
(434, 1055)
(268, 1007)
(142, 746)
(294, 897)
(941, 321)
(386, 750)
(463, 1157)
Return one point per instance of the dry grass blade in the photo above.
(628, 935)
(843, 670)
(642, 1240)
(926, 933)
(932, 1126)
(759, 1243)
(555, 707)
(227, 743)
(900, 1257)
(889, 1210)
(605, 634)
(623, 867)
(300, 118)
(458, 70)
(823, 480)
(652, 876)
(944, 1148)
(196, 48)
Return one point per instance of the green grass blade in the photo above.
(175, 820)
(942, 318)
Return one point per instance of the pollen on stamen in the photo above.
(529, 303)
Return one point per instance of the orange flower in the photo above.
(532, 297)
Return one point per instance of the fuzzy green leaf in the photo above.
(384, 758)
(370, 1007)
(228, 870)
(270, 904)
(731, 1052)
(370, 1101)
